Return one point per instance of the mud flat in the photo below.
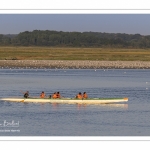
(78, 64)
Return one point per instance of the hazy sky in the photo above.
(109, 23)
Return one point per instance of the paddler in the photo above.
(58, 95)
(42, 95)
(85, 95)
(54, 95)
(79, 95)
(26, 94)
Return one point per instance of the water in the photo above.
(36, 119)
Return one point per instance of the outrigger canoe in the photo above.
(68, 100)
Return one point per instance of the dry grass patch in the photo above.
(51, 53)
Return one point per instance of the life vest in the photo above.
(79, 96)
(54, 96)
(58, 95)
(85, 95)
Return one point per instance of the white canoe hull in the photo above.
(68, 100)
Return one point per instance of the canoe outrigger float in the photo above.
(68, 100)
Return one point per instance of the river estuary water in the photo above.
(130, 118)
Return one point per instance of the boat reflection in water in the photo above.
(110, 106)
(55, 106)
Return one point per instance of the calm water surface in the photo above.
(36, 119)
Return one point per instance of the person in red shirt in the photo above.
(58, 95)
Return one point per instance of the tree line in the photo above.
(75, 39)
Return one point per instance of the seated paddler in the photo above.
(42, 95)
(26, 94)
(79, 95)
(85, 96)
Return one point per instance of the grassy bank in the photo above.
(49, 53)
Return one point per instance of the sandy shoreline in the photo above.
(77, 64)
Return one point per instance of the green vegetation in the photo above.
(75, 39)
(53, 53)
(54, 45)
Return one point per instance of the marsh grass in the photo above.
(50, 53)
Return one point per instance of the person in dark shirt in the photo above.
(26, 94)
